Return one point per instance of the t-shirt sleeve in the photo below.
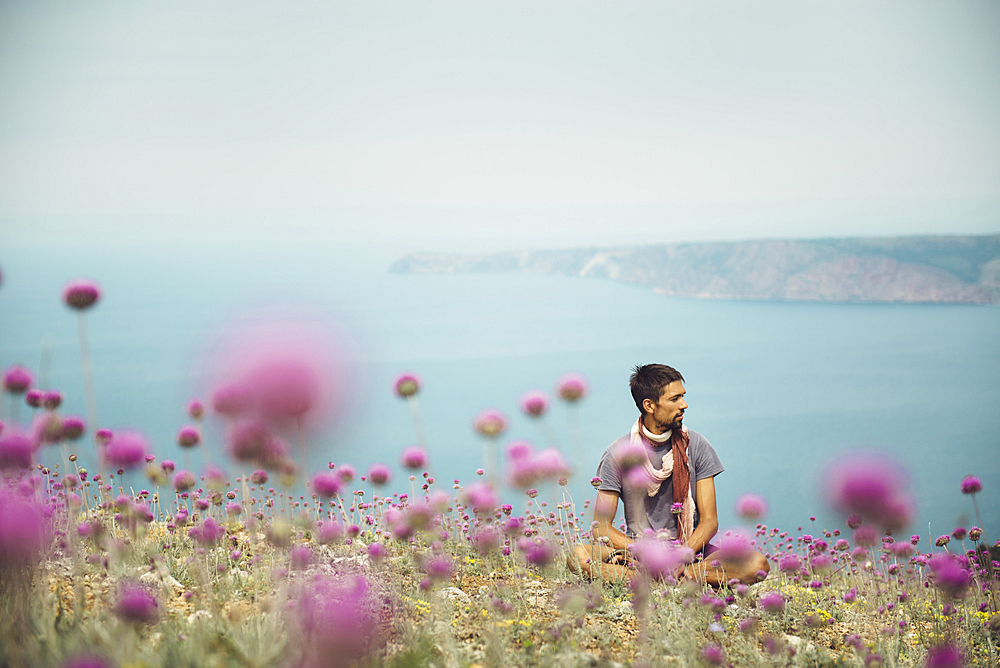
(609, 472)
(706, 461)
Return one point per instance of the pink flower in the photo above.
(660, 560)
(519, 450)
(872, 486)
(34, 398)
(772, 602)
(188, 436)
(945, 656)
(406, 385)
(481, 497)
(334, 621)
(184, 480)
(24, 532)
(326, 485)
(17, 379)
(534, 403)
(287, 371)
(248, 440)
(414, 457)
(81, 294)
(73, 427)
(572, 387)
(135, 603)
(127, 450)
(734, 547)
(713, 655)
(971, 485)
(52, 399)
(208, 533)
(949, 576)
(16, 449)
(537, 552)
(490, 423)
(103, 436)
(379, 474)
(528, 471)
(789, 564)
(168, 465)
(195, 409)
(259, 477)
(346, 473)
(751, 507)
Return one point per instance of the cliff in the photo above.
(943, 269)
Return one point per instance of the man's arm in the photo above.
(605, 509)
(708, 522)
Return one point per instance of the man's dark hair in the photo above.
(647, 382)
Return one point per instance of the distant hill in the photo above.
(939, 269)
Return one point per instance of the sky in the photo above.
(475, 125)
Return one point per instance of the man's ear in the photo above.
(648, 406)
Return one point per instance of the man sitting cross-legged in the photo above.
(665, 475)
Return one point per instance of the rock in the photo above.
(155, 579)
(455, 594)
(198, 614)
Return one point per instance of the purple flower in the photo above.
(942, 540)
(188, 436)
(677, 508)
(326, 485)
(971, 485)
(873, 487)
(195, 409)
(24, 531)
(259, 477)
(772, 602)
(975, 533)
(184, 480)
(207, 533)
(481, 497)
(534, 468)
(34, 398)
(379, 474)
(168, 466)
(595, 482)
(73, 427)
(248, 440)
(945, 656)
(329, 532)
(438, 568)
(490, 422)
(958, 533)
(949, 576)
(346, 473)
(86, 661)
(81, 294)
(414, 458)
(751, 507)
(233, 509)
(572, 387)
(537, 552)
(135, 603)
(789, 564)
(335, 621)
(17, 379)
(126, 450)
(16, 449)
(300, 556)
(534, 403)
(406, 385)
(659, 559)
(103, 436)
(52, 399)
(713, 655)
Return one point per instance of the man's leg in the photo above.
(718, 572)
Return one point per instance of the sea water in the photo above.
(779, 389)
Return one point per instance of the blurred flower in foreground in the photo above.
(490, 423)
(136, 603)
(286, 370)
(16, 449)
(527, 468)
(660, 560)
(871, 486)
(414, 458)
(751, 507)
(572, 387)
(81, 294)
(24, 531)
(334, 621)
(127, 450)
(17, 379)
(534, 403)
(945, 656)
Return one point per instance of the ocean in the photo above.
(779, 389)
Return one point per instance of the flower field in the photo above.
(144, 562)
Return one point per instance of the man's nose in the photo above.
(683, 405)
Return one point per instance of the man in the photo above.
(665, 474)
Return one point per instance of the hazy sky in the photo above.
(497, 124)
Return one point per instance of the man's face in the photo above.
(668, 412)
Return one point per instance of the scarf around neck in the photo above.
(674, 464)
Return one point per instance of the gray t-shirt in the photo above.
(704, 463)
